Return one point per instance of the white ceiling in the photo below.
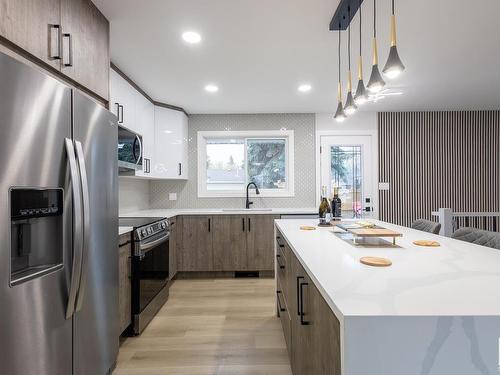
(259, 51)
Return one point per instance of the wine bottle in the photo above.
(324, 207)
(336, 204)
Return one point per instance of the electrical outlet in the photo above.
(172, 196)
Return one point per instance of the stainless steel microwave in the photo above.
(129, 151)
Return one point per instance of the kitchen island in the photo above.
(435, 311)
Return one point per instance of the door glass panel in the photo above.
(346, 174)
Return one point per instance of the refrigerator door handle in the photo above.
(86, 224)
(78, 229)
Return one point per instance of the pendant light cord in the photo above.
(375, 18)
(349, 37)
(339, 51)
(360, 20)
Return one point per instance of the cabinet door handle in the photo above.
(249, 224)
(180, 169)
(58, 55)
(243, 223)
(278, 292)
(302, 320)
(298, 294)
(278, 257)
(70, 49)
(121, 114)
(209, 224)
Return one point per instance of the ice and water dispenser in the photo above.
(36, 232)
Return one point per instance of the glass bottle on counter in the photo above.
(336, 204)
(324, 208)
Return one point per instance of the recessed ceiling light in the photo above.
(211, 88)
(305, 87)
(191, 37)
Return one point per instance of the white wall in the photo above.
(133, 194)
(359, 121)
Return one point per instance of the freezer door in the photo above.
(96, 312)
(35, 250)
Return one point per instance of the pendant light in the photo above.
(394, 67)
(376, 82)
(350, 107)
(339, 114)
(361, 96)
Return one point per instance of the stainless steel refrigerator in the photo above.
(58, 228)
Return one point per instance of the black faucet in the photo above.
(256, 191)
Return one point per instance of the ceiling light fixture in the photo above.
(361, 96)
(376, 82)
(211, 88)
(339, 114)
(191, 37)
(393, 67)
(350, 106)
(304, 87)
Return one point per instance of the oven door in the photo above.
(150, 271)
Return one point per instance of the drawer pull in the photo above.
(302, 320)
(281, 308)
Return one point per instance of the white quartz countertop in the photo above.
(455, 279)
(167, 213)
(123, 230)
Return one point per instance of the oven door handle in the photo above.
(149, 245)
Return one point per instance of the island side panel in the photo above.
(422, 345)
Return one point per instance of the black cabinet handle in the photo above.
(278, 256)
(209, 224)
(249, 224)
(278, 292)
(121, 114)
(180, 169)
(70, 47)
(243, 224)
(298, 294)
(279, 243)
(58, 55)
(302, 320)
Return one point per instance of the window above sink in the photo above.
(229, 160)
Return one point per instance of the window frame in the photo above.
(287, 135)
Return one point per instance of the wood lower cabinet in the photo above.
(197, 250)
(230, 242)
(260, 242)
(124, 282)
(174, 242)
(313, 339)
(85, 45)
(33, 26)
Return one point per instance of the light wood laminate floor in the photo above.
(211, 327)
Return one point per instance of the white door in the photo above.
(348, 162)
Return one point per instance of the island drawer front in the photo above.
(284, 316)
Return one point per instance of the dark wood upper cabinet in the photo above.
(197, 252)
(71, 36)
(85, 45)
(260, 242)
(33, 26)
(229, 242)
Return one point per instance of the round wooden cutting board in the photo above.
(427, 243)
(307, 227)
(376, 262)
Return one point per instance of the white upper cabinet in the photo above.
(122, 101)
(171, 144)
(145, 125)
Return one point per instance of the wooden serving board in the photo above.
(376, 262)
(374, 232)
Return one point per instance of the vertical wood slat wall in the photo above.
(439, 159)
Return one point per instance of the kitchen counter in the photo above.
(168, 213)
(435, 311)
(123, 230)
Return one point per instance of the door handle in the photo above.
(278, 292)
(180, 169)
(70, 49)
(302, 320)
(120, 116)
(58, 55)
(86, 224)
(209, 224)
(243, 224)
(298, 294)
(249, 224)
(76, 267)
